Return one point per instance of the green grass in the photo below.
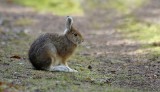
(58, 7)
(143, 32)
(124, 6)
(121, 6)
(23, 22)
(20, 74)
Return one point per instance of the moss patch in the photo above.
(58, 7)
(142, 32)
(121, 6)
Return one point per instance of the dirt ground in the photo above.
(105, 59)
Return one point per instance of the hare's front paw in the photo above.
(71, 70)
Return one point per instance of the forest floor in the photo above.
(106, 61)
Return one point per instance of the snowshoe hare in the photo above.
(50, 49)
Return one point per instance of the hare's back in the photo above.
(46, 38)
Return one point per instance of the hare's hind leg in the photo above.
(55, 67)
(51, 52)
(62, 68)
(59, 68)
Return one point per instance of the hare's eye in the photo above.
(75, 34)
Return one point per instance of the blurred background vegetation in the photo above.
(70, 7)
(132, 27)
(58, 7)
(122, 6)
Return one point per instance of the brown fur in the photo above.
(50, 47)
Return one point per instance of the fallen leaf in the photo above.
(1, 83)
(16, 57)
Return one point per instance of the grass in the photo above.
(21, 76)
(124, 6)
(121, 6)
(23, 22)
(142, 31)
(58, 7)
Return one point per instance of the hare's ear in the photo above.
(69, 22)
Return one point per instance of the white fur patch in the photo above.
(65, 31)
(62, 68)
